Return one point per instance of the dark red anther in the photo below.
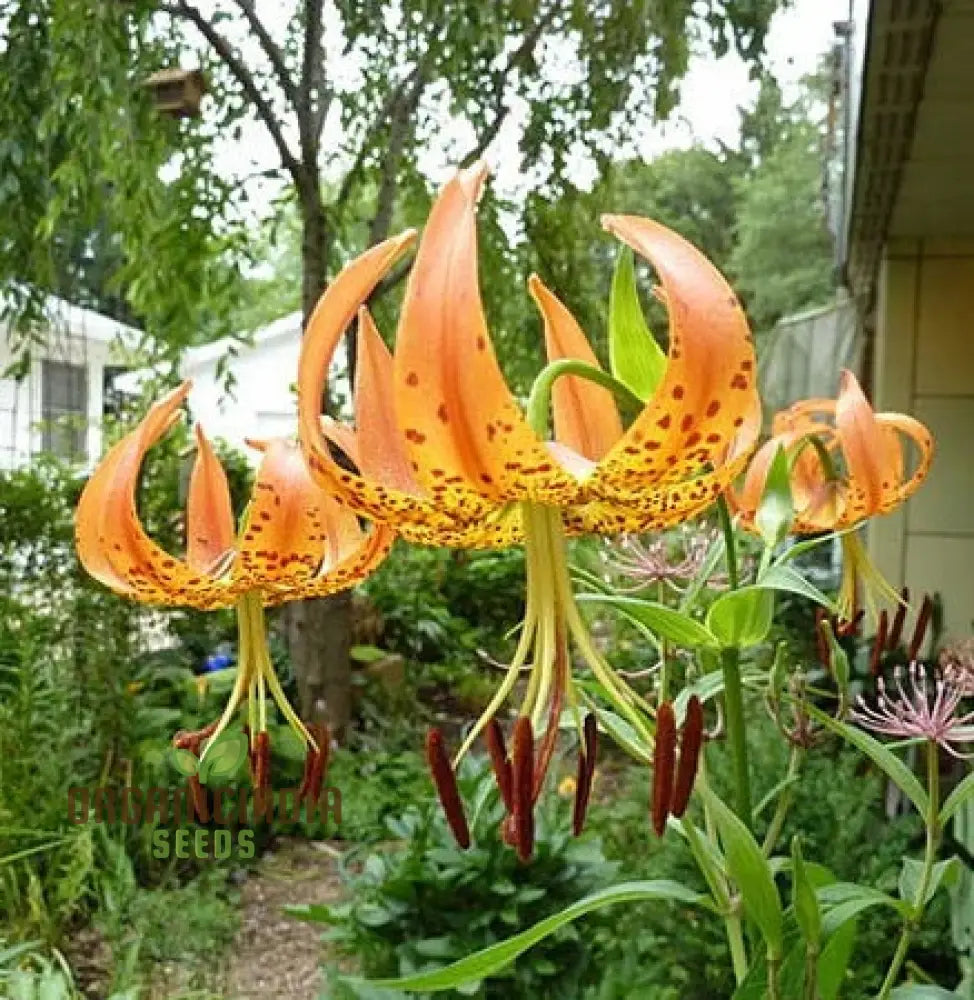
(547, 749)
(200, 804)
(446, 787)
(522, 787)
(821, 642)
(499, 762)
(508, 831)
(315, 764)
(920, 629)
(586, 772)
(879, 644)
(686, 771)
(664, 758)
(852, 626)
(192, 740)
(262, 761)
(896, 631)
(251, 754)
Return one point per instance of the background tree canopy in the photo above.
(107, 202)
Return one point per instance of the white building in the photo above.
(58, 404)
(245, 391)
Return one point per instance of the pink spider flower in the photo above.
(957, 663)
(925, 706)
(666, 559)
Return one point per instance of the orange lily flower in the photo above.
(296, 541)
(445, 453)
(855, 470)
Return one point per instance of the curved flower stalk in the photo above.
(295, 541)
(445, 454)
(847, 464)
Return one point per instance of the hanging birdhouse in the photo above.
(177, 92)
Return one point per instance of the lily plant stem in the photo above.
(730, 662)
(915, 915)
(719, 889)
(785, 800)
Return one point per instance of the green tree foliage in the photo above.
(86, 211)
(782, 257)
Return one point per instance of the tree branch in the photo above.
(385, 112)
(312, 79)
(243, 76)
(271, 49)
(398, 127)
(502, 108)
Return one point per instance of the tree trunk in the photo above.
(319, 631)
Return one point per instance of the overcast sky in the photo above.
(711, 94)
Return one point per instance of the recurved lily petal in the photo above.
(381, 449)
(586, 417)
(417, 518)
(349, 565)
(914, 431)
(112, 543)
(748, 497)
(464, 430)
(706, 409)
(209, 513)
(863, 447)
(287, 529)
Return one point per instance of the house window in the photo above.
(64, 410)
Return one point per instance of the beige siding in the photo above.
(925, 366)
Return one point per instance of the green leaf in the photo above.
(962, 794)
(834, 960)
(622, 732)
(843, 901)
(658, 618)
(892, 766)
(838, 659)
(286, 742)
(751, 871)
(635, 357)
(742, 618)
(776, 511)
(783, 577)
(946, 872)
(921, 991)
(707, 569)
(491, 960)
(186, 763)
(807, 914)
(367, 654)
(223, 756)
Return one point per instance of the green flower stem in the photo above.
(785, 800)
(730, 663)
(730, 542)
(539, 402)
(718, 889)
(774, 966)
(915, 916)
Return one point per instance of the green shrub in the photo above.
(426, 903)
(839, 809)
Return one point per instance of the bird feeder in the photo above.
(177, 92)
